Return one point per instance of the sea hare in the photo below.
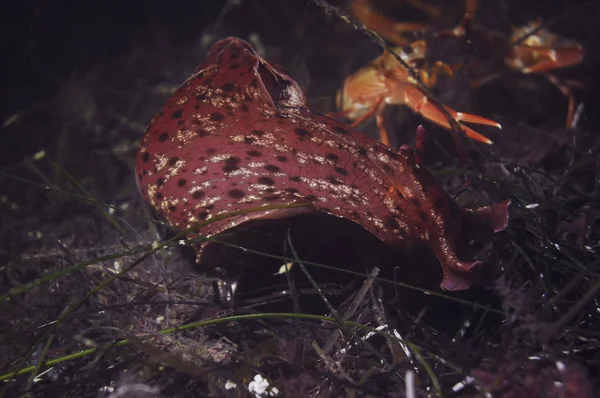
(239, 134)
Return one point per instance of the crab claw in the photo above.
(419, 103)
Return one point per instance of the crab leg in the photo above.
(439, 67)
(384, 135)
(377, 110)
(549, 58)
(383, 25)
(567, 92)
(414, 98)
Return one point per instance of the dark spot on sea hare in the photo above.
(295, 178)
(202, 215)
(198, 195)
(272, 168)
(254, 153)
(333, 180)
(145, 157)
(202, 133)
(332, 156)
(158, 196)
(282, 159)
(234, 66)
(173, 161)
(311, 198)
(236, 193)
(259, 133)
(392, 223)
(211, 151)
(266, 181)
(231, 164)
(341, 170)
(160, 182)
(228, 87)
(271, 198)
(422, 216)
(292, 190)
(249, 140)
(163, 136)
(217, 117)
(302, 133)
(181, 182)
(177, 114)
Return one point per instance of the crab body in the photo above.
(385, 81)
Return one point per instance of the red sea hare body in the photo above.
(238, 134)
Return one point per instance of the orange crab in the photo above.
(533, 49)
(537, 50)
(385, 81)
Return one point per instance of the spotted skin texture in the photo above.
(239, 134)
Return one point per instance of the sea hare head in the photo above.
(436, 220)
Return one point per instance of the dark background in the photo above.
(45, 44)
